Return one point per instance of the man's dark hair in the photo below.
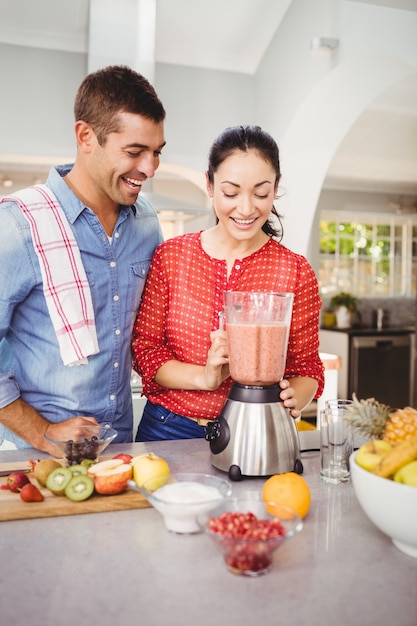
(112, 90)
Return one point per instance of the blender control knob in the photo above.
(212, 431)
(218, 434)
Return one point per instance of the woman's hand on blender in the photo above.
(289, 398)
(297, 393)
(217, 364)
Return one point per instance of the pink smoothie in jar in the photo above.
(257, 352)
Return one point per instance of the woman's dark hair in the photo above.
(112, 90)
(247, 138)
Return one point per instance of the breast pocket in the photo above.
(137, 277)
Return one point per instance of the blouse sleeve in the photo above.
(149, 347)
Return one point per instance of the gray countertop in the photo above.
(125, 568)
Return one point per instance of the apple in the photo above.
(407, 474)
(112, 477)
(103, 466)
(370, 453)
(150, 471)
(16, 481)
(126, 458)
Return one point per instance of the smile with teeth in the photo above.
(133, 181)
(244, 222)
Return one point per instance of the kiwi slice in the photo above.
(78, 469)
(87, 462)
(58, 479)
(79, 488)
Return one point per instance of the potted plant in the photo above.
(328, 317)
(344, 304)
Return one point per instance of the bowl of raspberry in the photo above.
(248, 530)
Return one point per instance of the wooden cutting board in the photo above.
(12, 506)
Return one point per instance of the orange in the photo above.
(290, 490)
(303, 425)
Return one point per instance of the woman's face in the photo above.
(243, 192)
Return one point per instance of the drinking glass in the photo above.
(336, 441)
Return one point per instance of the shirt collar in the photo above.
(70, 203)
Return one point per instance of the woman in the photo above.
(178, 348)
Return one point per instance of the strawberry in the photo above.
(30, 493)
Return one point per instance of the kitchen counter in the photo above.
(371, 331)
(125, 568)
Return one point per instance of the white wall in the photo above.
(200, 103)
(308, 104)
(311, 106)
(37, 96)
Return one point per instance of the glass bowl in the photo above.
(183, 497)
(248, 530)
(88, 443)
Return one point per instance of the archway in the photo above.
(317, 130)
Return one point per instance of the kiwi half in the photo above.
(79, 488)
(58, 479)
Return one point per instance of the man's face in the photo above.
(127, 158)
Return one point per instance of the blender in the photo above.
(255, 435)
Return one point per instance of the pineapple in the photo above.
(378, 421)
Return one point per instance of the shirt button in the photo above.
(117, 331)
(112, 263)
(116, 298)
(117, 235)
(112, 397)
(115, 365)
(237, 267)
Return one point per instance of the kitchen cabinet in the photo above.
(374, 363)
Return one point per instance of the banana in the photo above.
(400, 455)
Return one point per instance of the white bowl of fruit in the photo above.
(384, 469)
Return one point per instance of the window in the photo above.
(372, 258)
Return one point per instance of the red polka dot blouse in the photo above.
(180, 306)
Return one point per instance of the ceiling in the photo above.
(378, 154)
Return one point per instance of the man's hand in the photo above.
(64, 431)
(25, 421)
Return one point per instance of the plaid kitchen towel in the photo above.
(65, 284)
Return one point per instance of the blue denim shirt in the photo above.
(30, 362)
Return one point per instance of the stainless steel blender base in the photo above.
(254, 439)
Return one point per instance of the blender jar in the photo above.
(258, 327)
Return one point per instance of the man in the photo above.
(46, 385)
